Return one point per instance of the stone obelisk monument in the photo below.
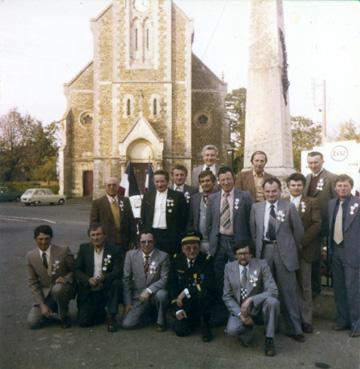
(267, 124)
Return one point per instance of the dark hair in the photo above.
(207, 173)
(146, 232)
(260, 153)
(315, 153)
(44, 228)
(241, 245)
(344, 178)
(180, 167)
(296, 177)
(272, 180)
(94, 227)
(224, 170)
(162, 172)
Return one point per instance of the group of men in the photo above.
(228, 241)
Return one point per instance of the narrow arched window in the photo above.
(147, 39)
(155, 107)
(128, 107)
(136, 38)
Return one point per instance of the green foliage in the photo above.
(28, 150)
(349, 131)
(305, 135)
(23, 186)
(235, 103)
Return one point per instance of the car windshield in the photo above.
(28, 192)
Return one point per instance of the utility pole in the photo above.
(324, 122)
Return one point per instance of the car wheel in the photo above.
(27, 204)
(61, 202)
(33, 203)
(17, 199)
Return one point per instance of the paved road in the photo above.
(94, 348)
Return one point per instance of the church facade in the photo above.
(145, 97)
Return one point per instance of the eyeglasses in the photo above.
(143, 242)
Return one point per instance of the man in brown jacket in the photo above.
(252, 180)
(309, 211)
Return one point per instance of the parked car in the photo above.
(40, 196)
(7, 195)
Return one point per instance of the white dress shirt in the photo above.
(98, 257)
(159, 220)
(47, 253)
(178, 188)
(267, 215)
(241, 267)
(295, 200)
(212, 168)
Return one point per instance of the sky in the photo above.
(45, 43)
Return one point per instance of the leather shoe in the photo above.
(298, 337)
(354, 334)
(338, 327)
(160, 327)
(65, 322)
(206, 334)
(111, 324)
(269, 347)
(307, 328)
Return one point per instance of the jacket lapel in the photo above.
(261, 216)
(39, 266)
(351, 212)
(235, 272)
(252, 271)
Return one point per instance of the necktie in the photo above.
(191, 263)
(205, 198)
(338, 231)
(115, 212)
(146, 264)
(271, 232)
(225, 220)
(243, 277)
(44, 260)
(208, 168)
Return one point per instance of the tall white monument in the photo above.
(267, 124)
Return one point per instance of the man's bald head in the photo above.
(111, 186)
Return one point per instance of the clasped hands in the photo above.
(244, 312)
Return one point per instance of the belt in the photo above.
(273, 242)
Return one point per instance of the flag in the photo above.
(128, 185)
(149, 180)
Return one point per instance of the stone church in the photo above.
(145, 97)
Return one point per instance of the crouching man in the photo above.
(249, 289)
(50, 278)
(192, 287)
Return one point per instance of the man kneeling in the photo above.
(192, 287)
(249, 289)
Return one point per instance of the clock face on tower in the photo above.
(141, 5)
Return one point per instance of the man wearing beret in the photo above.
(192, 287)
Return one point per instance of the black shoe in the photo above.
(65, 322)
(297, 337)
(269, 347)
(307, 328)
(111, 324)
(160, 328)
(206, 334)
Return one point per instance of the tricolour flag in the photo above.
(149, 179)
(128, 185)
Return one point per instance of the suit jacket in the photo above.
(198, 279)
(101, 213)
(245, 181)
(197, 170)
(84, 266)
(309, 211)
(40, 279)
(176, 214)
(260, 284)
(324, 195)
(289, 232)
(351, 230)
(135, 280)
(241, 213)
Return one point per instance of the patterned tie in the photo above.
(44, 260)
(225, 220)
(338, 231)
(271, 231)
(243, 281)
(146, 264)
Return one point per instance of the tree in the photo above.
(349, 131)
(235, 103)
(305, 135)
(25, 146)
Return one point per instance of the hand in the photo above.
(181, 314)
(127, 309)
(144, 296)
(60, 280)
(179, 299)
(93, 282)
(45, 310)
(245, 306)
(247, 320)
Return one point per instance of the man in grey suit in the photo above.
(50, 278)
(210, 156)
(277, 231)
(227, 222)
(320, 184)
(249, 289)
(344, 221)
(145, 277)
(198, 205)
